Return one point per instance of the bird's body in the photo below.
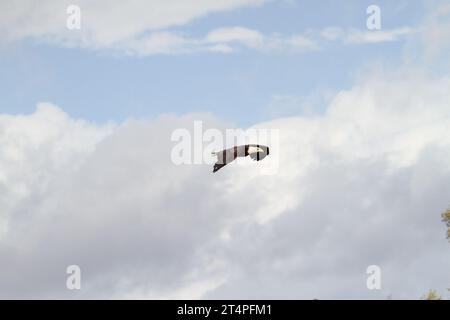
(255, 151)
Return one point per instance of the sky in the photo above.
(104, 81)
(86, 177)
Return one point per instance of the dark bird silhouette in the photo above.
(255, 151)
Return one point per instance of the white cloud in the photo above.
(221, 40)
(159, 43)
(362, 184)
(331, 33)
(247, 37)
(104, 23)
(435, 33)
(222, 48)
(35, 149)
(143, 28)
(358, 36)
(253, 39)
(233, 39)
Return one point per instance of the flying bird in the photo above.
(255, 151)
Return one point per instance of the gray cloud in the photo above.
(362, 184)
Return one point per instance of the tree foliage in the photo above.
(431, 295)
(446, 220)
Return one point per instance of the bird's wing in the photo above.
(224, 157)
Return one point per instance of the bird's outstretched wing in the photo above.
(218, 166)
(224, 157)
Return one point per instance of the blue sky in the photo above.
(102, 85)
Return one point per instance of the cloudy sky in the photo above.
(87, 179)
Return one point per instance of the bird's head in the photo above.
(254, 149)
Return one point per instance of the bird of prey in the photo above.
(255, 151)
